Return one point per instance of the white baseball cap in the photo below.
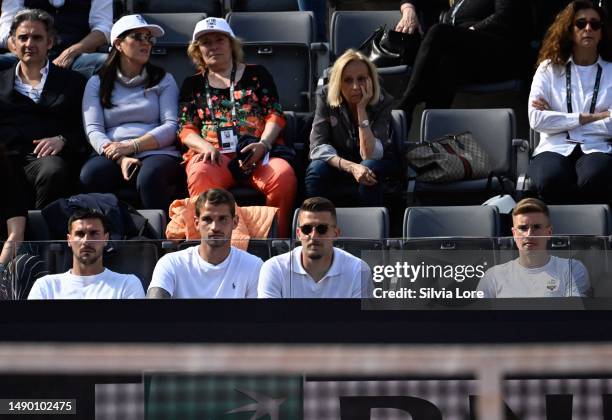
(212, 24)
(129, 22)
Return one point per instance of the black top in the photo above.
(505, 18)
(71, 20)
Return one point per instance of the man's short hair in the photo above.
(530, 205)
(36, 15)
(318, 204)
(88, 213)
(216, 196)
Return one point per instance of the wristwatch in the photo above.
(364, 124)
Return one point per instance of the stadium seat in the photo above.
(450, 236)
(264, 5)
(170, 52)
(356, 235)
(494, 130)
(451, 221)
(156, 219)
(581, 219)
(209, 7)
(349, 29)
(280, 41)
(134, 257)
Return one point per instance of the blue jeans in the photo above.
(322, 179)
(319, 8)
(160, 180)
(86, 64)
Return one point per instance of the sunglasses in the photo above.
(582, 23)
(321, 229)
(534, 227)
(140, 37)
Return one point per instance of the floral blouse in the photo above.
(256, 103)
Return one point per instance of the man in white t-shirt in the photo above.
(316, 269)
(535, 273)
(87, 279)
(213, 269)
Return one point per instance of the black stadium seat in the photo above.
(450, 236)
(361, 228)
(280, 41)
(494, 130)
(584, 231)
(349, 29)
(170, 52)
(264, 5)
(209, 7)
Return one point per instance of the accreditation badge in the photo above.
(228, 139)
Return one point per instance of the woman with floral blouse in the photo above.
(224, 102)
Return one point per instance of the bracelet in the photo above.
(340, 164)
(266, 144)
(62, 139)
(135, 144)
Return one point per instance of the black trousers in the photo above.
(450, 56)
(47, 178)
(577, 178)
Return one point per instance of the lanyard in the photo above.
(568, 88)
(231, 93)
(455, 10)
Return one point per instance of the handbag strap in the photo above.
(372, 36)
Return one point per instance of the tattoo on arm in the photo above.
(157, 293)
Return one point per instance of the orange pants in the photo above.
(276, 181)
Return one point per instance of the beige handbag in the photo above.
(449, 158)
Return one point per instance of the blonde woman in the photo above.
(350, 142)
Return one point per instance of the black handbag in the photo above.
(278, 150)
(389, 48)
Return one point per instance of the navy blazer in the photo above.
(58, 113)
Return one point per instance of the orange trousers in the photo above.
(276, 181)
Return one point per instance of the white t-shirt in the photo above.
(106, 285)
(559, 277)
(284, 276)
(185, 275)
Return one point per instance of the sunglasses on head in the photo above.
(582, 23)
(321, 229)
(140, 37)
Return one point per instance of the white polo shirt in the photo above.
(284, 276)
(185, 275)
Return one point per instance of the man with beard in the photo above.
(535, 273)
(316, 269)
(87, 279)
(213, 269)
